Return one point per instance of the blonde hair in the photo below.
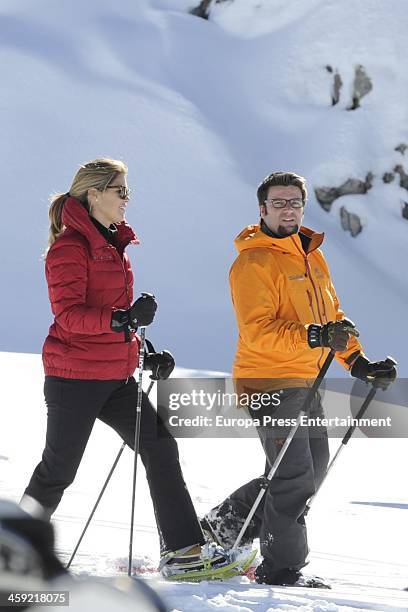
(98, 173)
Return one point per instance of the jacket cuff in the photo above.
(351, 359)
(359, 368)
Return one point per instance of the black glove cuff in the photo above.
(359, 368)
(352, 358)
(314, 333)
(120, 320)
(148, 366)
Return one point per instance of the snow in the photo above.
(357, 526)
(202, 111)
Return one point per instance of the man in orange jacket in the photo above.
(288, 319)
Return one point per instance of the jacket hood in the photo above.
(75, 216)
(252, 237)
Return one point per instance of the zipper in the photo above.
(127, 335)
(309, 295)
(324, 305)
(309, 275)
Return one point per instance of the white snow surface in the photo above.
(360, 547)
(202, 111)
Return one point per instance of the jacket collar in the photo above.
(253, 237)
(107, 232)
(75, 216)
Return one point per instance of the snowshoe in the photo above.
(212, 564)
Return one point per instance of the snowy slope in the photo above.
(201, 111)
(357, 527)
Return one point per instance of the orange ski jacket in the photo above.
(278, 289)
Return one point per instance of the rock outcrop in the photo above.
(336, 85)
(388, 177)
(350, 222)
(401, 148)
(361, 87)
(202, 10)
(326, 195)
(403, 176)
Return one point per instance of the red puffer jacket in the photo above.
(88, 279)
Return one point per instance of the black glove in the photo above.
(334, 335)
(161, 364)
(140, 314)
(380, 373)
(143, 310)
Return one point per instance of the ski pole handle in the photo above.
(370, 396)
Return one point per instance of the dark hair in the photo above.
(283, 179)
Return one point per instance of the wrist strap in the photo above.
(314, 335)
(352, 358)
(150, 347)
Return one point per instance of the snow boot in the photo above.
(288, 577)
(222, 525)
(210, 535)
(35, 509)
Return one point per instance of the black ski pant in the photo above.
(279, 520)
(73, 405)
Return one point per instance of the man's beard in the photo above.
(287, 231)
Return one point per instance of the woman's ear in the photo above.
(92, 195)
(262, 210)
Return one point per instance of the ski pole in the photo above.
(308, 399)
(137, 440)
(101, 493)
(369, 398)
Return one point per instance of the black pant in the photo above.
(279, 520)
(73, 405)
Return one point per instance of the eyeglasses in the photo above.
(281, 203)
(123, 191)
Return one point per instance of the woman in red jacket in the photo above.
(90, 355)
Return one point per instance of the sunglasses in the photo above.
(123, 191)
